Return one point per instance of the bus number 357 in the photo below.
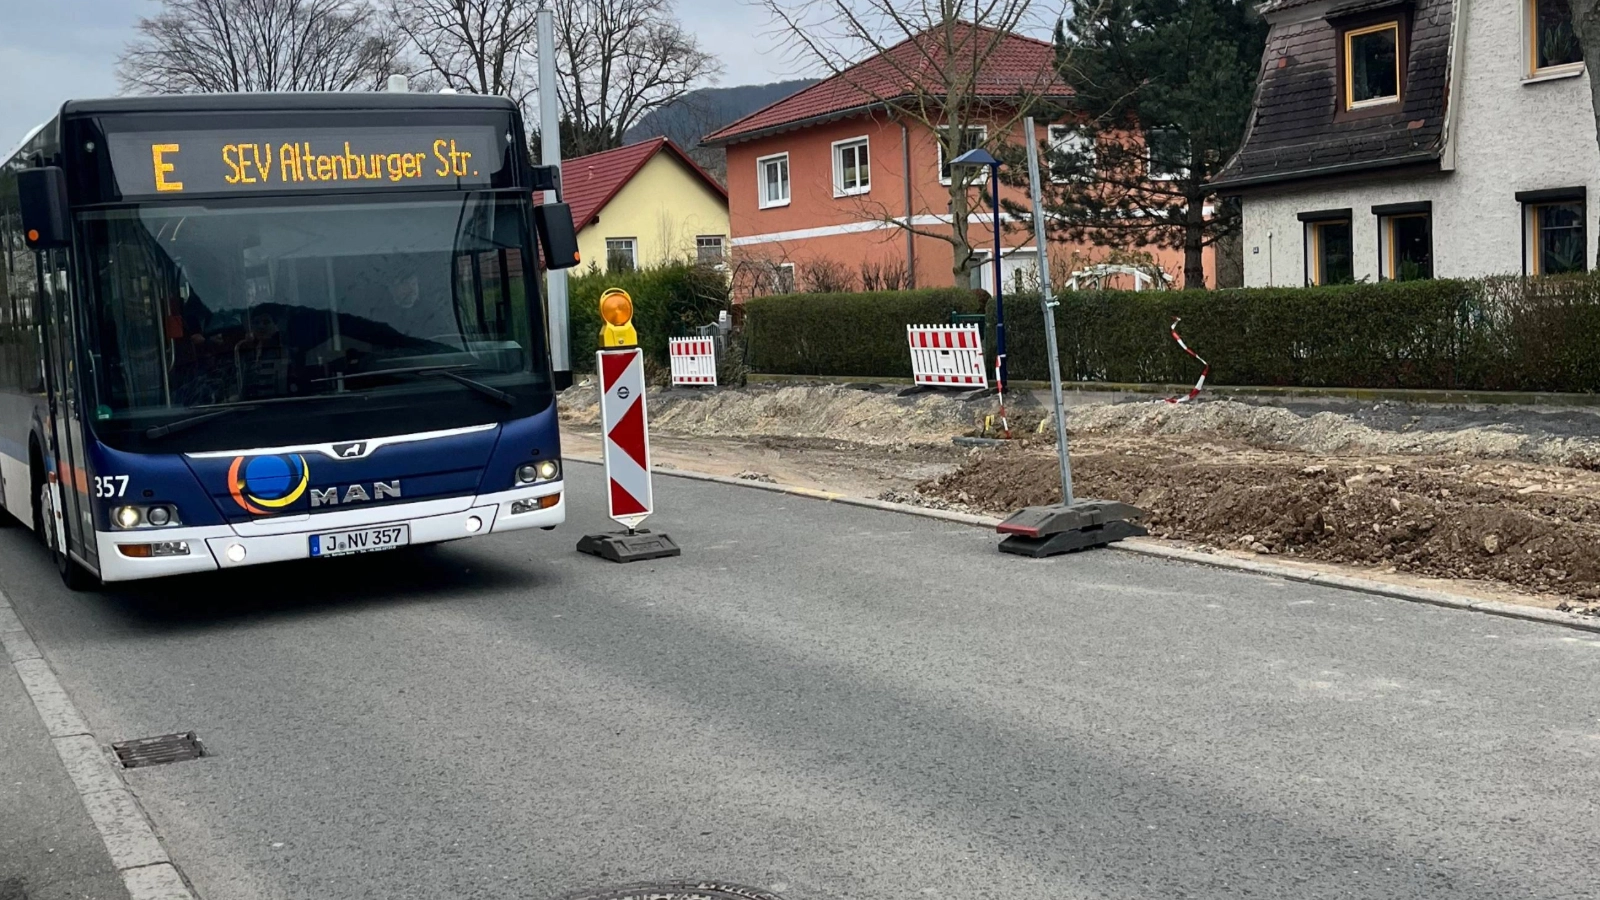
(110, 485)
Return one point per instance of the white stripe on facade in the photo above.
(922, 221)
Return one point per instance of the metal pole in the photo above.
(555, 280)
(1048, 301)
(999, 302)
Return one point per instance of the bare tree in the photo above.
(616, 61)
(481, 46)
(1586, 23)
(194, 46)
(925, 68)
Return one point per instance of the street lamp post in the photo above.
(982, 157)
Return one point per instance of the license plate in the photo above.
(360, 540)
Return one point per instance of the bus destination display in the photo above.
(171, 165)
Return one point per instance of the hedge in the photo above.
(845, 334)
(667, 302)
(1503, 333)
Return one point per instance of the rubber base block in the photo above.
(623, 547)
(1073, 540)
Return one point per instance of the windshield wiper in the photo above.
(157, 432)
(434, 371)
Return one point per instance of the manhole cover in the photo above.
(156, 751)
(704, 890)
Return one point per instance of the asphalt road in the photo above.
(832, 703)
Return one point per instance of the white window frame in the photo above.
(778, 278)
(983, 134)
(761, 180)
(863, 147)
(722, 247)
(1531, 70)
(1059, 137)
(633, 250)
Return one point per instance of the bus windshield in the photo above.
(323, 308)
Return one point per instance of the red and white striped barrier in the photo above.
(694, 361)
(947, 356)
(1195, 391)
(630, 499)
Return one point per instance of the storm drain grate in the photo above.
(157, 751)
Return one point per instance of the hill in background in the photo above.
(704, 111)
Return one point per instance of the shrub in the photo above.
(845, 334)
(668, 301)
(1504, 333)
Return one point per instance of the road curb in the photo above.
(1150, 547)
(138, 855)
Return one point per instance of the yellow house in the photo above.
(643, 205)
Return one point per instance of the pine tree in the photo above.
(1163, 89)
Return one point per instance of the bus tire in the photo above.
(36, 487)
(73, 574)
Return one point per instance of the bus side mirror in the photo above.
(557, 237)
(42, 196)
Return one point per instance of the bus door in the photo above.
(61, 377)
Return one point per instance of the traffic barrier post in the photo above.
(694, 361)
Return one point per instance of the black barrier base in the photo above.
(626, 546)
(1039, 531)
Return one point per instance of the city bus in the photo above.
(241, 329)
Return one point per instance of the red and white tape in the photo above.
(1195, 391)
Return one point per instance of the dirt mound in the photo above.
(830, 412)
(1328, 432)
(1530, 527)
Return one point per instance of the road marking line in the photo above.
(147, 872)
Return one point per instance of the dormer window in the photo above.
(1372, 65)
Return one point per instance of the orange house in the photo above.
(822, 182)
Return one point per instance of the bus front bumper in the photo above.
(224, 547)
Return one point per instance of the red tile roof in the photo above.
(588, 183)
(1018, 64)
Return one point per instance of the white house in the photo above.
(1429, 138)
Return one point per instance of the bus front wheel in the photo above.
(73, 574)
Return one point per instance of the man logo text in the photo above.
(355, 493)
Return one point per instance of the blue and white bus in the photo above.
(239, 329)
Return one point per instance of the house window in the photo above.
(1372, 65)
(1553, 46)
(1165, 153)
(774, 174)
(971, 139)
(851, 171)
(1330, 249)
(1555, 226)
(1072, 157)
(622, 254)
(708, 249)
(1405, 241)
(783, 278)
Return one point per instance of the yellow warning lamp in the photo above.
(616, 308)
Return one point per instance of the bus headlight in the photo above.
(533, 473)
(128, 518)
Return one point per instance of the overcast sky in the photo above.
(55, 50)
